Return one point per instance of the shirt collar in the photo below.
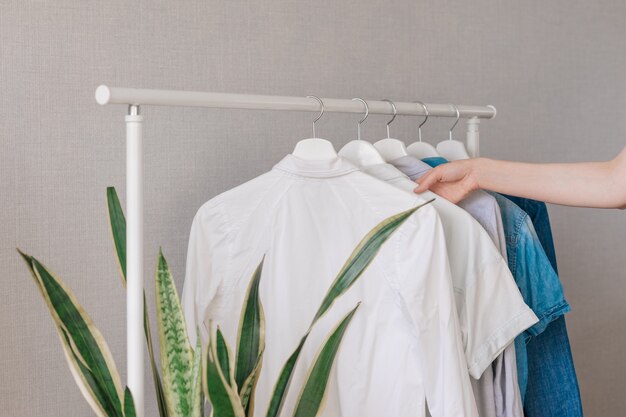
(325, 168)
(411, 166)
(385, 172)
(435, 161)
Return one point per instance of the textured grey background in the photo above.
(555, 70)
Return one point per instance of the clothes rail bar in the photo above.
(136, 97)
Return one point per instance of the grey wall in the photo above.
(555, 70)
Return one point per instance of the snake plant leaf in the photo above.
(86, 351)
(311, 398)
(247, 391)
(117, 222)
(284, 378)
(357, 262)
(251, 334)
(362, 256)
(129, 404)
(223, 397)
(156, 377)
(84, 378)
(224, 358)
(176, 352)
(197, 398)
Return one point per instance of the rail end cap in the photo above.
(103, 94)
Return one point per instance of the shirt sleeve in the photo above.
(491, 309)
(426, 288)
(494, 314)
(208, 254)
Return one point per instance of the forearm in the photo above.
(589, 184)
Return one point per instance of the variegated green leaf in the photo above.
(176, 353)
(84, 378)
(358, 261)
(224, 399)
(117, 221)
(284, 378)
(197, 397)
(251, 334)
(224, 358)
(362, 256)
(84, 347)
(156, 377)
(129, 404)
(247, 391)
(311, 400)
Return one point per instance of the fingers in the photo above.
(427, 180)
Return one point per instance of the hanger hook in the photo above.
(458, 116)
(419, 128)
(367, 112)
(395, 113)
(321, 113)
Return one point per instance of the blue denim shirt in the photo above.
(552, 389)
(538, 282)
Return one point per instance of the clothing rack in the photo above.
(135, 97)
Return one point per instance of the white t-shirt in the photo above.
(404, 342)
(491, 309)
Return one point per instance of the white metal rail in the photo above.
(135, 97)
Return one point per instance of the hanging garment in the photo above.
(535, 277)
(490, 307)
(488, 300)
(506, 391)
(552, 389)
(497, 391)
(502, 376)
(306, 217)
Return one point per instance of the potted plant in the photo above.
(189, 375)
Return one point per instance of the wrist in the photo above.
(478, 168)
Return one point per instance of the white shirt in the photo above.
(497, 390)
(306, 217)
(491, 309)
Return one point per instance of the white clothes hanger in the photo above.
(315, 148)
(391, 148)
(453, 150)
(419, 149)
(361, 153)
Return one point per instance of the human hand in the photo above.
(453, 181)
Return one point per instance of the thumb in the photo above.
(426, 181)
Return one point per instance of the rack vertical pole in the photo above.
(473, 137)
(134, 257)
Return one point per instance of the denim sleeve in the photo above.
(536, 278)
